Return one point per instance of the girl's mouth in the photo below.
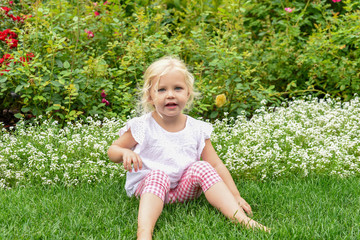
(170, 105)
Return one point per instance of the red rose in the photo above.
(8, 56)
(12, 43)
(13, 35)
(105, 101)
(5, 33)
(30, 55)
(2, 36)
(6, 9)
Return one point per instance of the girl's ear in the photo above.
(150, 100)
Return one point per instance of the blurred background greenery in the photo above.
(68, 59)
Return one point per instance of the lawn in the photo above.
(311, 208)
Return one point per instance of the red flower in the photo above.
(96, 13)
(103, 94)
(11, 2)
(3, 71)
(30, 55)
(18, 18)
(8, 56)
(12, 34)
(89, 33)
(12, 43)
(105, 101)
(6, 59)
(4, 35)
(6, 9)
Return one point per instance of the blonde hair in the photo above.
(158, 69)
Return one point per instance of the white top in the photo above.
(171, 152)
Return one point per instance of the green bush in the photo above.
(79, 58)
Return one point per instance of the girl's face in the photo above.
(171, 94)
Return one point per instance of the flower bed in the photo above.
(313, 137)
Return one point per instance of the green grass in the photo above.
(308, 208)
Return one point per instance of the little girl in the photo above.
(169, 156)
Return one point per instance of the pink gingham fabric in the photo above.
(198, 178)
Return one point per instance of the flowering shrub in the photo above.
(246, 51)
(48, 154)
(301, 138)
(308, 137)
(6, 11)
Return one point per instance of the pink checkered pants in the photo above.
(198, 178)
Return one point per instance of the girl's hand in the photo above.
(130, 159)
(244, 205)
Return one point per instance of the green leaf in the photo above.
(3, 79)
(239, 86)
(56, 83)
(18, 88)
(25, 109)
(56, 106)
(59, 63)
(41, 98)
(65, 73)
(66, 64)
(214, 114)
(19, 115)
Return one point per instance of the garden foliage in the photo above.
(65, 59)
(307, 138)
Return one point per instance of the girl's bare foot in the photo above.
(250, 223)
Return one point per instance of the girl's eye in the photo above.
(178, 88)
(161, 89)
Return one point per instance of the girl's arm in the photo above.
(120, 151)
(209, 155)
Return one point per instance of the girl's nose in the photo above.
(170, 93)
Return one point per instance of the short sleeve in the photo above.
(205, 133)
(207, 129)
(137, 127)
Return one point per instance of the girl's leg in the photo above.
(150, 209)
(221, 198)
(152, 190)
(202, 177)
